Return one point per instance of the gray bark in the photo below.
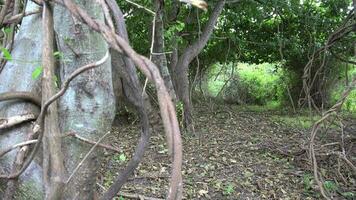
(16, 76)
(88, 107)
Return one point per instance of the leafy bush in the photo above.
(249, 84)
(338, 89)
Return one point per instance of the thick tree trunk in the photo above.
(88, 106)
(16, 76)
(159, 57)
(180, 70)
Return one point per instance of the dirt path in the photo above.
(240, 155)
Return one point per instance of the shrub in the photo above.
(249, 84)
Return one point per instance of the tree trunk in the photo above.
(181, 80)
(159, 57)
(16, 76)
(88, 106)
(125, 80)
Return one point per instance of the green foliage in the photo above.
(37, 72)
(6, 53)
(338, 89)
(300, 121)
(7, 30)
(172, 31)
(330, 186)
(308, 182)
(350, 102)
(56, 81)
(348, 195)
(58, 55)
(250, 84)
(120, 157)
(179, 109)
(229, 189)
(258, 83)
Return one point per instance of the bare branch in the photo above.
(26, 96)
(17, 18)
(8, 149)
(4, 11)
(85, 157)
(13, 121)
(315, 129)
(130, 80)
(92, 142)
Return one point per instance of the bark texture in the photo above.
(53, 167)
(88, 106)
(16, 76)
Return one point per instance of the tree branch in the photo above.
(26, 96)
(193, 50)
(13, 121)
(8, 149)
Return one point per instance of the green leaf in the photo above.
(7, 30)
(56, 81)
(330, 186)
(180, 26)
(122, 157)
(37, 72)
(229, 189)
(6, 53)
(349, 195)
(58, 55)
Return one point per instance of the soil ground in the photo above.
(236, 153)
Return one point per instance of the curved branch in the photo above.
(336, 108)
(193, 50)
(4, 11)
(137, 101)
(26, 96)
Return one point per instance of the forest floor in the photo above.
(237, 152)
